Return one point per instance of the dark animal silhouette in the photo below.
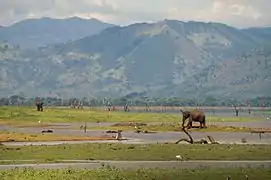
(196, 116)
(126, 108)
(39, 106)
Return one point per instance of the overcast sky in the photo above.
(238, 13)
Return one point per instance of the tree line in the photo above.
(16, 100)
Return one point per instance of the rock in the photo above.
(243, 140)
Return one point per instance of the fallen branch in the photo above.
(141, 131)
(191, 140)
(211, 139)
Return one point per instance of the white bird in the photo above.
(39, 121)
(179, 157)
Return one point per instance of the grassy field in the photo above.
(23, 115)
(23, 137)
(135, 152)
(112, 173)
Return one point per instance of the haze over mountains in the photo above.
(166, 58)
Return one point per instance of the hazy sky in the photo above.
(239, 13)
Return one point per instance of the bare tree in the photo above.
(249, 107)
(126, 108)
(236, 110)
(262, 106)
(147, 107)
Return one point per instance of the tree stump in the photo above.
(119, 135)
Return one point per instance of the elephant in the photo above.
(196, 115)
(39, 106)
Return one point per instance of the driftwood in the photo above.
(211, 139)
(191, 140)
(111, 131)
(145, 131)
(47, 131)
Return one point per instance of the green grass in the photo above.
(136, 152)
(268, 112)
(19, 115)
(111, 173)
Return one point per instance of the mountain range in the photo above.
(166, 58)
(32, 33)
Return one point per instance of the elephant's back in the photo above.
(197, 115)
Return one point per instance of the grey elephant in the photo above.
(196, 116)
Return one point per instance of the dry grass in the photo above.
(23, 137)
(164, 127)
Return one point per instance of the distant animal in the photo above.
(196, 116)
(179, 157)
(39, 106)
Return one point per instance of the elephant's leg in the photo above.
(189, 125)
(201, 122)
(204, 122)
(201, 126)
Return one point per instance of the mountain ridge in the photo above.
(167, 58)
(31, 33)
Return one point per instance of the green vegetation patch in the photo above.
(20, 115)
(141, 174)
(136, 152)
